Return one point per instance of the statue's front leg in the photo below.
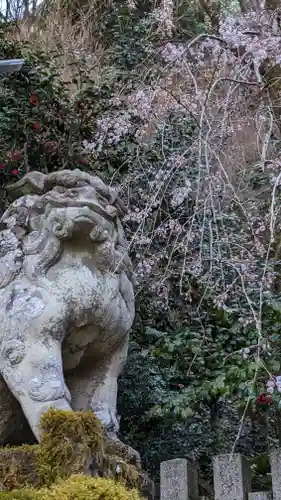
(33, 372)
(96, 388)
(104, 398)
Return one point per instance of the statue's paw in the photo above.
(133, 456)
(117, 447)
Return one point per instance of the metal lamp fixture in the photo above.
(10, 66)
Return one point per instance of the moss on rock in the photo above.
(18, 467)
(115, 466)
(70, 442)
(79, 487)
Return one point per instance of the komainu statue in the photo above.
(66, 299)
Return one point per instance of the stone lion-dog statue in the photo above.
(66, 299)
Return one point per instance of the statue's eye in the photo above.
(99, 234)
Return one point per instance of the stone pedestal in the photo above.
(232, 477)
(179, 480)
(275, 465)
(262, 495)
(147, 487)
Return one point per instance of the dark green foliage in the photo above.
(160, 436)
(39, 124)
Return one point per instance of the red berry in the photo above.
(33, 99)
(264, 399)
(51, 146)
(15, 171)
(15, 156)
(2, 166)
(36, 126)
(83, 161)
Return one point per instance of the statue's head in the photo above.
(56, 211)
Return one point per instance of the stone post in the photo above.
(232, 477)
(262, 495)
(179, 480)
(275, 465)
(147, 487)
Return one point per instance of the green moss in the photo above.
(24, 494)
(26, 448)
(116, 467)
(77, 487)
(82, 487)
(68, 442)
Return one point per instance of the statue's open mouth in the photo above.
(95, 208)
(84, 219)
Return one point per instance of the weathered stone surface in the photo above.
(179, 480)
(262, 495)
(66, 298)
(232, 478)
(147, 487)
(17, 468)
(275, 465)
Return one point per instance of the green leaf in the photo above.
(275, 366)
(219, 383)
(187, 412)
(276, 306)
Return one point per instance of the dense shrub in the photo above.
(39, 123)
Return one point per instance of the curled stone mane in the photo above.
(53, 208)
